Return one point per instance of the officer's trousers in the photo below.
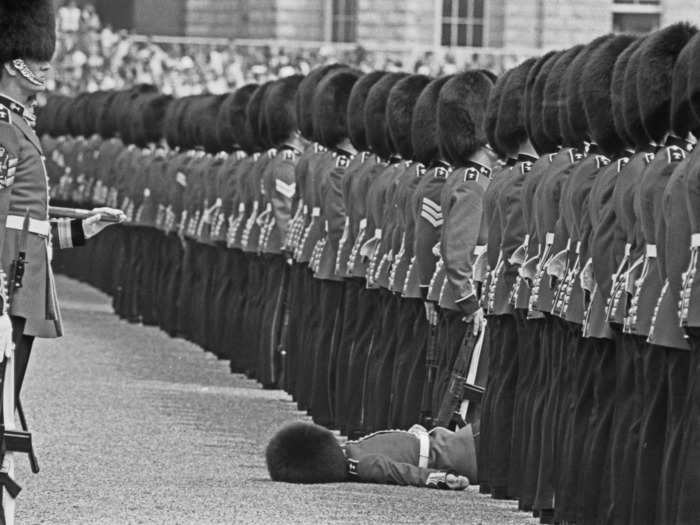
(351, 301)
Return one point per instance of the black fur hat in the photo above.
(305, 98)
(537, 142)
(280, 109)
(399, 111)
(305, 453)
(330, 106)
(231, 118)
(576, 124)
(491, 119)
(27, 30)
(510, 129)
(172, 116)
(376, 128)
(617, 91)
(356, 108)
(255, 126)
(630, 102)
(207, 123)
(424, 132)
(683, 119)
(552, 94)
(106, 125)
(461, 114)
(692, 52)
(539, 137)
(595, 92)
(657, 58)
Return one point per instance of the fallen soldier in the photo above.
(308, 453)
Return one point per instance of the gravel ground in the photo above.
(132, 426)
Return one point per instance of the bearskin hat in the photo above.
(254, 112)
(461, 113)
(356, 109)
(424, 132)
(330, 106)
(399, 112)
(692, 51)
(106, 124)
(173, 135)
(376, 125)
(552, 94)
(630, 102)
(576, 122)
(528, 102)
(231, 119)
(617, 91)
(491, 119)
(657, 58)
(279, 109)
(305, 98)
(539, 137)
(510, 129)
(595, 92)
(93, 110)
(683, 119)
(27, 30)
(206, 123)
(305, 453)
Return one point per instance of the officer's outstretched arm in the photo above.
(378, 468)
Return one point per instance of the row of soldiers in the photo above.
(350, 237)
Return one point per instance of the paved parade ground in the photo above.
(132, 426)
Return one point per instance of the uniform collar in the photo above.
(18, 109)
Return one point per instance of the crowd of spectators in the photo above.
(92, 56)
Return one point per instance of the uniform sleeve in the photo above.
(334, 207)
(459, 238)
(512, 225)
(429, 221)
(282, 196)
(67, 233)
(378, 468)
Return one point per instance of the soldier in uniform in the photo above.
(305, 453)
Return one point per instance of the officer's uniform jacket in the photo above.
(23, 175)
(333, 214)
(354, 209)
(569, 301)
(596, 275)
(689, 306)
(649, 196)
(492, 216)
(547, 197)
(360, 228)
(463, 237)
(409, 457)
(672, 240)
(428, 219)
(279, 188)
(629, 235)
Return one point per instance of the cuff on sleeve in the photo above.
(468, 305)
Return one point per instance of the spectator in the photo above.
(69, 17)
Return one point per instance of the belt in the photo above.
(36, 226)
(424, 438)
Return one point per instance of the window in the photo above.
(636, 16)
(344, 21)
(462, 23)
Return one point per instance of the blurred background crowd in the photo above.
(92, 56)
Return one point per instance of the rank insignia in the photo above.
(8, 167)
(441, 173)
(432, 212)
(342, 161)
(525, 167)
(471, 174)
(420, 171)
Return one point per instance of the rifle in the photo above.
(462, 381)
(426, 411)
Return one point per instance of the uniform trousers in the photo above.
(273, 299)
(297, 274)
(492, 349)
(416, 355)
(310, 328)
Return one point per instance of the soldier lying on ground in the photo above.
(308, 453)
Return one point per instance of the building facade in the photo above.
(498, 24)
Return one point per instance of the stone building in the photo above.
(509, 24)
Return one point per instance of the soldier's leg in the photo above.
(405, 350)
(378, 330)
(342, 365)
(385, 363)
(415, 379)
(23, 349)
(492, 349)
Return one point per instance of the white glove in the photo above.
(6, 344)
(94, 224)
(479, 321)
(430, 313)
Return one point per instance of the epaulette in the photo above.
(648, 157)
(420, 170)
(621, 163)
(675, 154)
(601, 160)
(576, 155)
(441, 173)
(474, 171)
(318, 148)
(5, 115)
(342, 161)
(526, 167)
(288, 154)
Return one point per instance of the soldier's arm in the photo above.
(334, 205)
(459, 238)
(283, 194)
(378, 468)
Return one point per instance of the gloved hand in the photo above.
(430, 313)
(95, 223)
(447, 481)
(478, 321)
(6, 344)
